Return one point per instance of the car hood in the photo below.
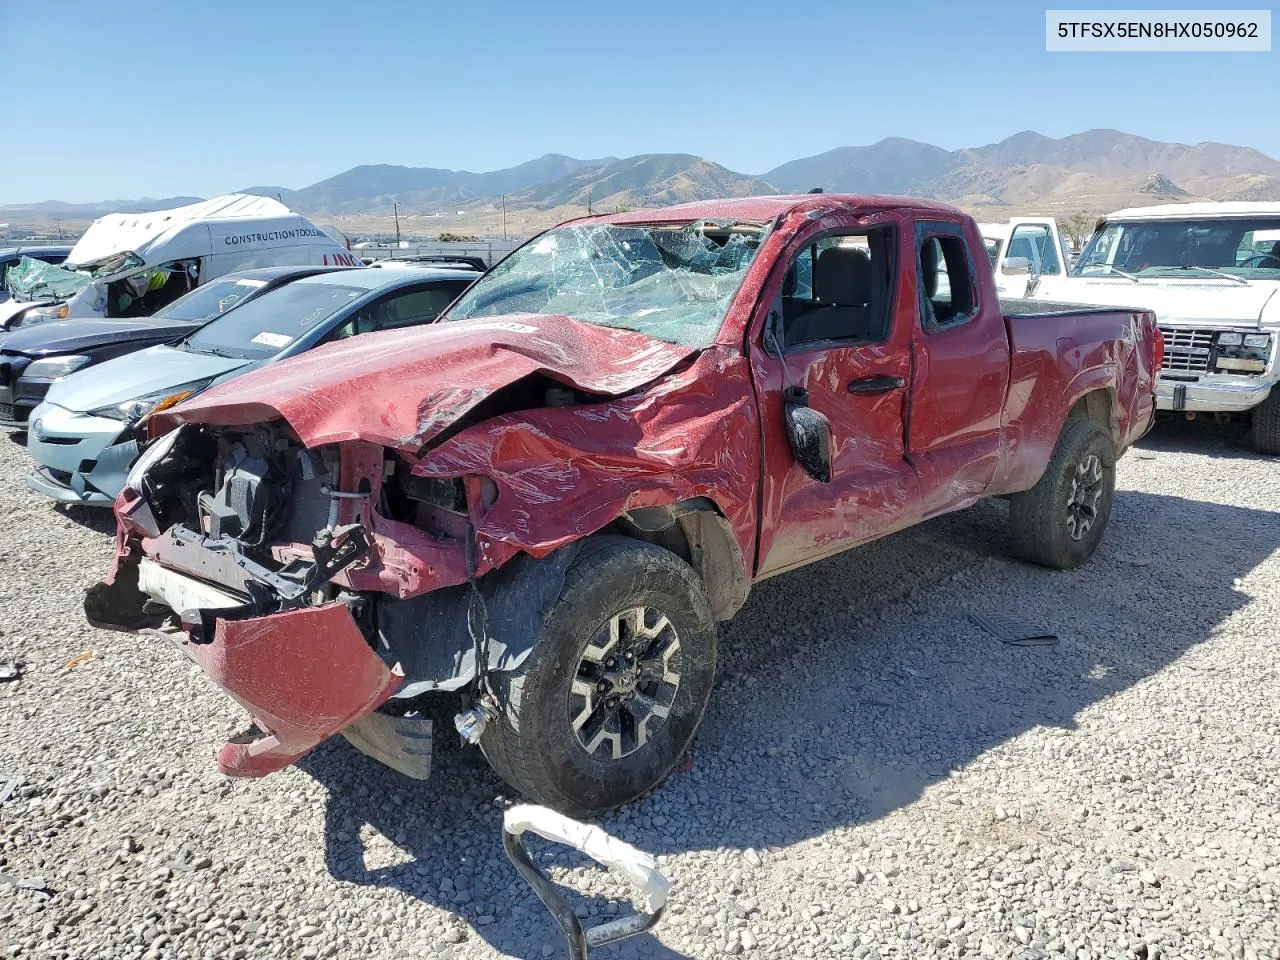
(1201, 302)
(137, 375)
(401, 388)
(70, 336)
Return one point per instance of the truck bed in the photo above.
(1050, 308)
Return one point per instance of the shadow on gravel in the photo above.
(1174, 434)
(97, 519)
(845, 691)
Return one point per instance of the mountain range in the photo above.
(1094, 171)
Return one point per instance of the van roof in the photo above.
(1200, 211)
(164, 235)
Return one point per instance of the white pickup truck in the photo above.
(1211, 273)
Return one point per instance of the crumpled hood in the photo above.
(400, 388)
(137, 375)
(1204, 302)
(69, 336)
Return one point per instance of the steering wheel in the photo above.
(1275, 261)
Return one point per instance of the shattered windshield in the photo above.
(34, 279)
(1244, 249)
(669, 281)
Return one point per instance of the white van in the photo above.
(132, 264)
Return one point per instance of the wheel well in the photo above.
(696, 531)
(1096, 405)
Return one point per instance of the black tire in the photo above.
(534, 745)
(1266, 424)
(1046, 526)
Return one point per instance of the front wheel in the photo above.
(615, 686)
(1059, 522)
(1266, 424)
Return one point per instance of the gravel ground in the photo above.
(876, 776)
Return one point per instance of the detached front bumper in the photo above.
(303, 675)
(1213, 393)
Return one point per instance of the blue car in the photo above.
(85, 435)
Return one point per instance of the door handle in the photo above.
(876, 385)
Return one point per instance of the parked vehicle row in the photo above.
(81, 388)
(538, 506)
(1211, 273)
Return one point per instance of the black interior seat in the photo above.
(843, 286)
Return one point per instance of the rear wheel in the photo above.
(615, 686)
(1266, 424)
(1059, 522)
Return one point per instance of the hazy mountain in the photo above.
(1096, 170)
(376, 187)
(55, 208)
(647, 180)
(893, 165)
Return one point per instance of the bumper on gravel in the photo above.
(303, 675)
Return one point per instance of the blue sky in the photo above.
(145, 98)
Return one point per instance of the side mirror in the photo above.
(1016, 267)
(809, 434)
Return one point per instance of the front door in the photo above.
(845, 339)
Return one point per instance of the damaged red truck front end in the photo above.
(362, 527)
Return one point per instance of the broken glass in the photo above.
(34, 279)
(673, 282)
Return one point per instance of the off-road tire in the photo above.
(1266, 424)
(532, 744)
(1038, 518)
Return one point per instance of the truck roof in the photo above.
(768, 208)
(1200, 211)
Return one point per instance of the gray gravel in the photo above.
(877, 777)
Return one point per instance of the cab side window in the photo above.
(946, 280)
(837, 289)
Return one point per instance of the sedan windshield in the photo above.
(267, 324)
(670, 281)
(1240, 248)
(212, 300)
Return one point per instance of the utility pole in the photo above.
(59, 224)
(504, 216)
(589, 197)
(395, 207)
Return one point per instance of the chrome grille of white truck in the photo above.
(1187, 351)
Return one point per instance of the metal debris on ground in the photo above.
(10, 670)
(1013, 630)
(7, 786)
(77, 660)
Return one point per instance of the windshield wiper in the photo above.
(1110, 270)
(186, 344)
(1216, 273)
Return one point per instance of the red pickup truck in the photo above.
(541, 505)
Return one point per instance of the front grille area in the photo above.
(1187, 351)
(9, 412)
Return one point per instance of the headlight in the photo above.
(1259, 340)
(57, 311)
(54, 367)
(1229, 339)
(150, 457)
(133, 411)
